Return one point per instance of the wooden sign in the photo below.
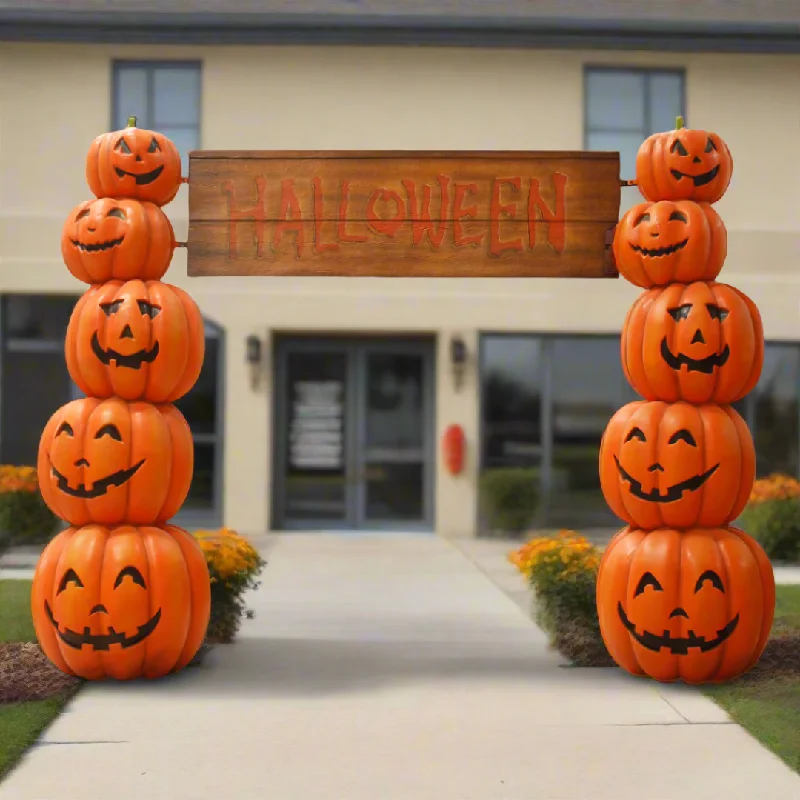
(403, 214)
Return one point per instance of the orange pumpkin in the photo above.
(693, 605)
(136, 340)
(684, 164)
(134, 163)
(108, 239)
(668, 242)
(112, 462)
(676, 465)
(121, 603)
(701, 342)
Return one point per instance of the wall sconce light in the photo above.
(458, 360)
(254, 353)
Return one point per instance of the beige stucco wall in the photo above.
(55, 99)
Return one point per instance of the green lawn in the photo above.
(768, 706)
(21, 723)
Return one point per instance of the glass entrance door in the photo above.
(353, 434)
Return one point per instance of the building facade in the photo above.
(335, 420)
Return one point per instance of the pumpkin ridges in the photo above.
(200, 602)
(44, 577)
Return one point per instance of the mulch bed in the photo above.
(27, 674)
(781, 658)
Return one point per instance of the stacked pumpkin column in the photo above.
(121, 593)
(682, 595)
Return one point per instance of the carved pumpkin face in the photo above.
(701, 342)
(684, 164)
(676, 465)
(107, 239)
(122, 603)
(134, 163)
(694, 605)
(660, 243)
(110, 462)
(136, 340)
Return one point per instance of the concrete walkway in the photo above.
(393, 668)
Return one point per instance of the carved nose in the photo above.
(655, 467)
(678, 612)
(101, 609)
(127, 333)
(81, 462)
(698, 337)
(139, 158)
(653, 234)
(91, 229)
(696, 160)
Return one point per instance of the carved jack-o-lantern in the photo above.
(108, 239)
(113, 462)
(136, 340)
(676, 465)
(693, 605)
(122, 603)
(134, 163)
(668, 242)
(684, 164)
(701, 342)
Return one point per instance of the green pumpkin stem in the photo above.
(678, 123)
(131, 122)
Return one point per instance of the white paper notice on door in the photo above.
(316, 426)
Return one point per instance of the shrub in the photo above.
(510, 498)
(24, 517)
(772, 516)
(234, 565)
(562, 571)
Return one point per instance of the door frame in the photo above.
(355, 349)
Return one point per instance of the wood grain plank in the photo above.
(402, 213)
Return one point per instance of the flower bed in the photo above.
(562, 572)
(234, 565)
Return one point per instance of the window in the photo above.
(625, 106)
(163, 96)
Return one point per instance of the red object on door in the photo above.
(454, 446)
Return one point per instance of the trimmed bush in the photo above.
(772, 517)
(24, 517)
(509, 498)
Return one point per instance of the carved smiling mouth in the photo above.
(672, 494)
(98, 246)
(678, 646)
(141, 179)
(132, 361)
(699, 180)
(705, 365)
(100, 487)
(102, 641)
(660, 251)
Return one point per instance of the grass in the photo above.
(768, 706)
(21, 723)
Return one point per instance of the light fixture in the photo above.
(458, 360)
(253, 351)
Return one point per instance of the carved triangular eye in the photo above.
(154, 146)
(122, 146)
(636, 433)
(710, 146)
(677, 147)
(648, 579)
(70, 576)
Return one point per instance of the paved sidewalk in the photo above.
(392, 667)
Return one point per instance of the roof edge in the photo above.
(226, 29)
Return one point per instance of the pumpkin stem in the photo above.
(678, 123)
(131, 122)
